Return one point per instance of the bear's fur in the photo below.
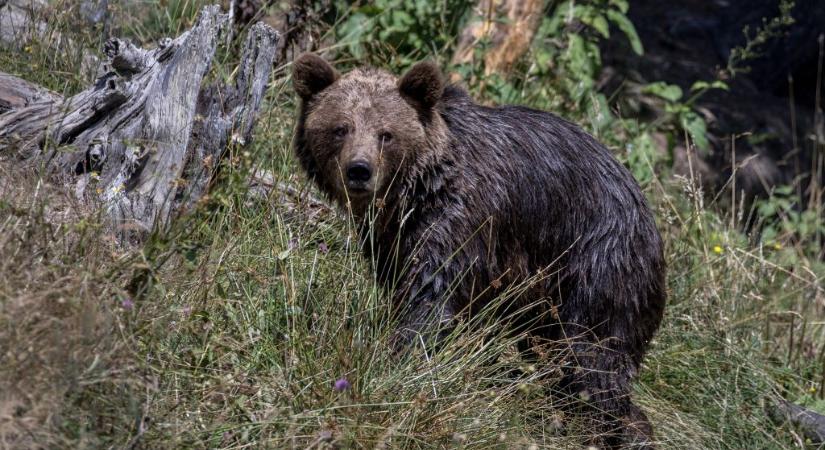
(469, 200)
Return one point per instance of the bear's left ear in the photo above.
(423, 83)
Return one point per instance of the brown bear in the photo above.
(458, 201)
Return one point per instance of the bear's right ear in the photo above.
(311, 74)
(423, 83)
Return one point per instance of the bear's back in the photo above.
(532, 167)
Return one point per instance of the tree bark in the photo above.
(146, 139)
(509, 25)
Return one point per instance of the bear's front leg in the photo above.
(425, 306)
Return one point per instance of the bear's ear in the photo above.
(423, 83)
(311, 74)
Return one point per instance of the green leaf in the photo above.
(598, 23)
(543, 60)
(191, 254)
(669, 92)
(370, 10)
(401, 19)
(550, 26)
(577, 52)
(811, 402)
(579, 11)
(628, 29)
(641, 153)
(767, 209)
(719, 84)
(599, 112)
(702, 85)
(769, 233)
(783, 190)
(803, 228)
(696, 128)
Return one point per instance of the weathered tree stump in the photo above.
(146, 139)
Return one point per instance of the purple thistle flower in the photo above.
(127, 304)
(322, 247)
(341, 385)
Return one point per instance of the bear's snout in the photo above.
(358, 174)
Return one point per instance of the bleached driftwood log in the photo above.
(147, 138)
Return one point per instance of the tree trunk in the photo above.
(508, 25)
(146, 139)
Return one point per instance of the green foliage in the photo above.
(640, 158)
(782, 219)
(560, 71)
(619, 18)
(669, 92)
(401, 32)
(564, 60)
(682, 112)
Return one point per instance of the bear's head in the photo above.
(362, 135)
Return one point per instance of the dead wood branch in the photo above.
(809, 423)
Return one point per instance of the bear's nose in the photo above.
(359, 172)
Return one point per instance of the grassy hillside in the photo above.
(255, 323)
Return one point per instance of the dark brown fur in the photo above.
(471, 200)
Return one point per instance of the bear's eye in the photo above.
(340, 131)
(385, 137)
